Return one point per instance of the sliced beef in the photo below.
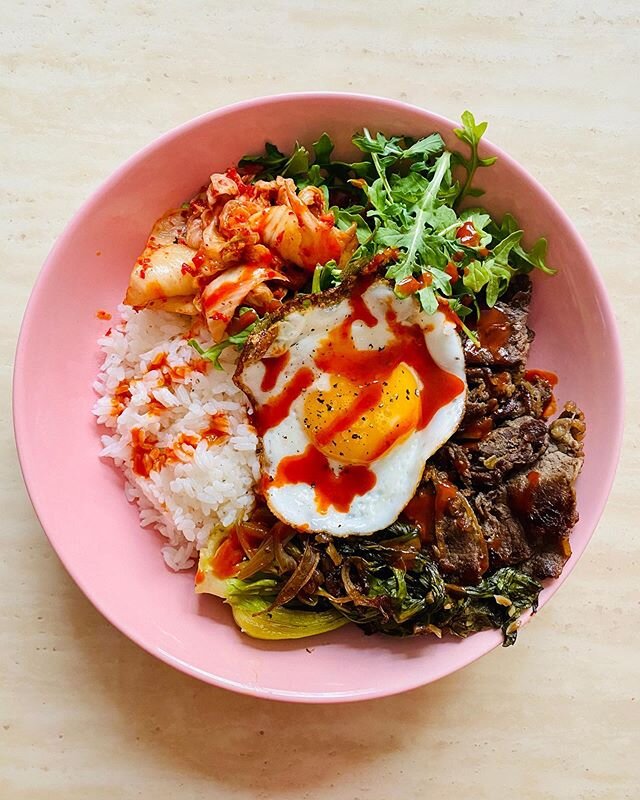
(459, 547)
(513, 446)
(504, 337)
(495, 396)
(529, 397)
(548, 564)
(543, 499)
(455, 460)
(505, 536)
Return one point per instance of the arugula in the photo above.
(325, 276)
(214, 352)
(402, 193)
(273, 162)
(535, 258)
(471, 133)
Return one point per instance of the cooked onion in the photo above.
(300, 576)
(262, 558)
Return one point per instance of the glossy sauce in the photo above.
(468, 235)
(421, 510)
(245, 319)
(141, 450)
(217, 430)
(331, 489)
(224, 292)
(368, 398)
(494, 329)
(449, 313)
(170, 375)
(121, 397)
(478, 429)
(452, 272)
(522, 500)
(231, 290)
(270, 414)
(337, 355)
(552, 379)
(273, 368)
(147, 456)
(445, 493)
(244, 189)
(227, 557)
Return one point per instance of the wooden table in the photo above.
(83, 712)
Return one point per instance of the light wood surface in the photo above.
(83, 712)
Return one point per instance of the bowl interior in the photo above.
(80, 499)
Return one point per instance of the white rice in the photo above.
(212, 483)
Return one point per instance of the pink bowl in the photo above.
(79, 499)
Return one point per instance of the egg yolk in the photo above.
(355, 424)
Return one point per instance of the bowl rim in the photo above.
(68, 232)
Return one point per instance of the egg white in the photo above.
(398, 471)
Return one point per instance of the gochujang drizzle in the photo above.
(494, 329)
(331, 489)
(368, 370)
(273, 369)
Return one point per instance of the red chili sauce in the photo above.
(493, 329)
(331, 489)
(273, 368)
(369, 369)
(227, 557)
(421, 510)
(522, 500)
(468, 235)
(552, 379)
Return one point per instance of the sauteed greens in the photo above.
(384, 583)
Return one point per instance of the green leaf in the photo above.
(345, 218)
(322, 149)
(272, 160)
(380, 145)
(502, 249)
(428, 299)
(213, 353)
(414, 235)
(476, 276)
(536, 257)
(433, 253)
(325, 276)
(478, 216)
(410, 189)
(493, 290)
(379, 198)
(298, 162)
(252, 616)
(429, 146)
(471, 133)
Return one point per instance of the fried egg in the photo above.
(351, 392)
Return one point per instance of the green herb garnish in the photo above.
(214, 352)
(403, 194)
